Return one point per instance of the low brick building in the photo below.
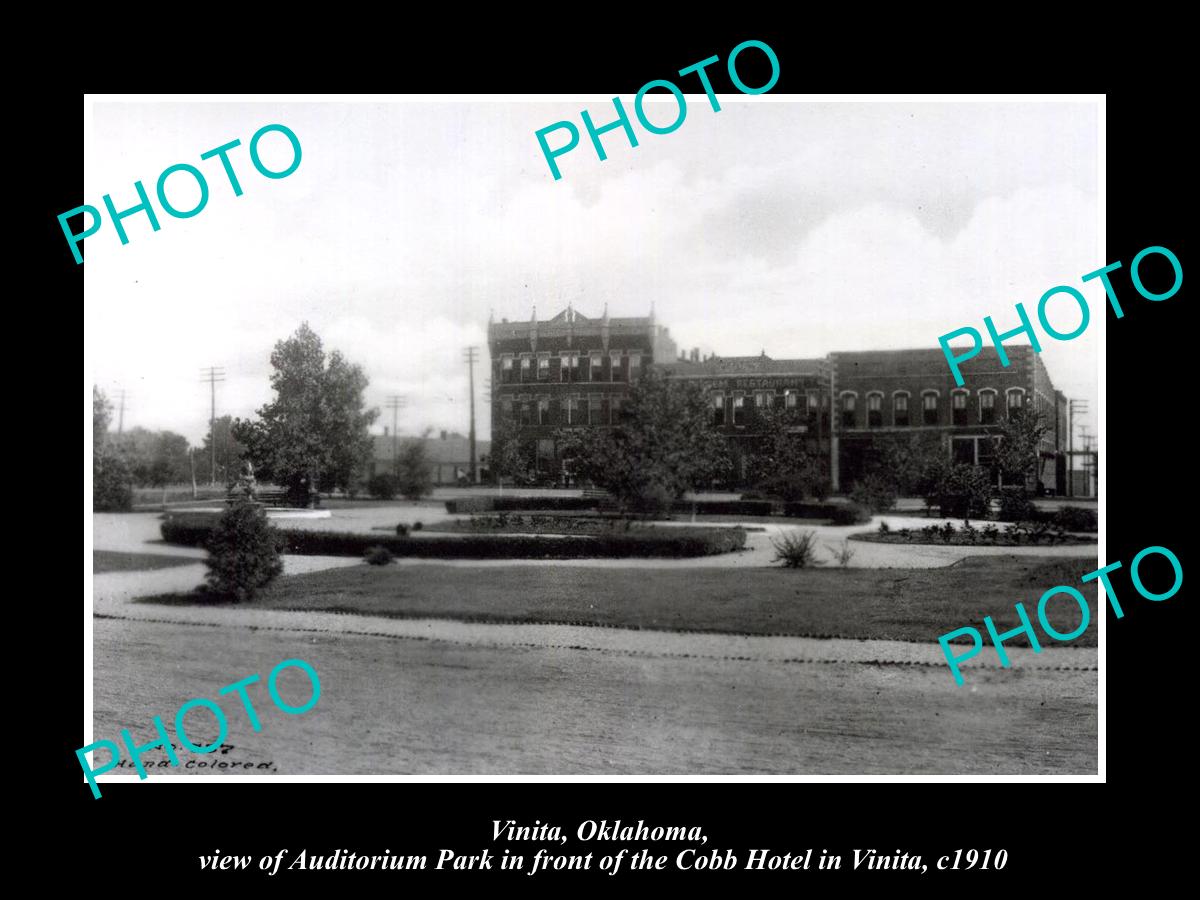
(449, 455)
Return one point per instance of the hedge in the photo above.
(667, 542)
(724, 507)
(509, 504)
(839, 513)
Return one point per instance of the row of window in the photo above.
(567, 367)
(762, 400)
(594, 410)
(930, 412)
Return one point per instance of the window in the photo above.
(900, 410)
(987, 407)
(874, 410)
(572, 411)
(1016, 399)
(614, 410)
(506, 408)
(762, 399)
(739, 409)
(790, 399)
(614, 362)
(929, 403)
(594, 409)
(958, 407)
(543, 367)
(718, 409)
(848, 402)
(814, 403)
(524, 368)
(635, 365)
(963, 451)
(597, 364)
(506, 369)
(543, 411)
(526, 413)
(564, 367)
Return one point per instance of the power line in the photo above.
(212, 375)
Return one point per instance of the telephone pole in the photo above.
(395, 403)
(471, 355)
(1072, 407)
(212, 375)
(121, 413)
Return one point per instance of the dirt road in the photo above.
(427, 700)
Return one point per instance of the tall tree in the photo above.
(777, 461)
(313, 435)
(663, 447)
(414, 476)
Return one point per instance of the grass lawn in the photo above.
(896, 604)
(109, 561)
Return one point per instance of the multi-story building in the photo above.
(572, 370)
(889, 392)
(741, 386)
(569, 370)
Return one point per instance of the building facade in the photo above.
(898, 392)
(574, 371)
(569, 370)
(739, 387)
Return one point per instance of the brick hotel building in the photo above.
(574, 370)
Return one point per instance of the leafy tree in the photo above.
(414, 478)
(243, 552)
(111, 476)
(313, 435)
(512, 458)
(776, 461)
(663, 447)
(230, 452)
(1021, 435)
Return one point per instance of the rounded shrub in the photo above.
(243, 553)
(402, 529)
(379, 556)
(383, 486)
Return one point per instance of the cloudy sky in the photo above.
(794, 228)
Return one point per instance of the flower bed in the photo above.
(990, 535)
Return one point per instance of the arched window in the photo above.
(958, 406)
(849, 404)
(1016, 399)
(987, 406)
(875, 409)
(900, 409)
(929, 407)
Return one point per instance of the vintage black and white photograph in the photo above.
(410, 458)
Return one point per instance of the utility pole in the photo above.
(121, 413)
(212, 375)
(471, 355)
(395, 403)
(1072, 407)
